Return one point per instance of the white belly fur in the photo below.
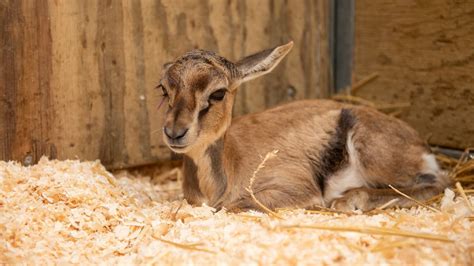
(345, 179)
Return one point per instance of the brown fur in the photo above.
(329, 153)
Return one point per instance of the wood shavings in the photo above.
(71, 212)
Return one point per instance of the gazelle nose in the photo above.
(175, 133)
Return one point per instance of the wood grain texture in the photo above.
(7, 75)
(424, 53)
(77, 77)
(26, 64)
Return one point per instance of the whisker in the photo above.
(155, 131)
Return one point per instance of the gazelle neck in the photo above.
(210, 170)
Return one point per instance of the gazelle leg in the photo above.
(366, 199)
(277, 197)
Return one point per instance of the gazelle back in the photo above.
(329, 153)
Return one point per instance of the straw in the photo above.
(463, 194)
(359, 84)
(410, 198)
(387, 204)
(269, 155)
(373, 231)
(353, 99)
(190, 246)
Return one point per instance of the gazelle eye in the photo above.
(218, 95)
(163, 90)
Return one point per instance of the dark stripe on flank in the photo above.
(334, 156)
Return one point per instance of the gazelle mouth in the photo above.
(178, 147)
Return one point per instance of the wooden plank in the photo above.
(25, 80)
(77, 77)
(79, 107)
(305, 73)
(7, 78)
(424, 53)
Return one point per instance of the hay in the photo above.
(269, 156)
(348, 95)
(71, 212)
(412, 199)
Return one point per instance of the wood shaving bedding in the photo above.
(71, 212)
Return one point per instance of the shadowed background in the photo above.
(77, 78)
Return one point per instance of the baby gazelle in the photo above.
(330, 154)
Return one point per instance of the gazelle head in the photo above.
(200, 88)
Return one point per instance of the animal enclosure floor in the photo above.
(71, 212)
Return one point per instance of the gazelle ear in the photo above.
(261, 63)
(167, 65)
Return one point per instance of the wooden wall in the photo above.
(77, 77)
(424, 53)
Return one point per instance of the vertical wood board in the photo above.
(424, 54)
(77, 78)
